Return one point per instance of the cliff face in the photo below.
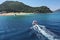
(15, 6)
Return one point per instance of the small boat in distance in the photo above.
(14, 14)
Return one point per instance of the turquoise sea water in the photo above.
(18, 27)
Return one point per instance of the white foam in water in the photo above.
(41, 29)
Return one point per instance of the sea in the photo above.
(18, 27)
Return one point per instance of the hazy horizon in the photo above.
(52, 4)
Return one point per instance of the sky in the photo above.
(52, 4)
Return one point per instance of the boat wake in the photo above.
(41, 30)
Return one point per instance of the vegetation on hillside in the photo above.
(15, 6)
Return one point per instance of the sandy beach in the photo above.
(8, 14)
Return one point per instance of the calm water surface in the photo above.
(18, 27)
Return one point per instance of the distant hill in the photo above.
(15, 6)
(57, 10)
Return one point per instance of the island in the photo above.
(19, 7)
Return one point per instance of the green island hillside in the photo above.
(15, 6)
